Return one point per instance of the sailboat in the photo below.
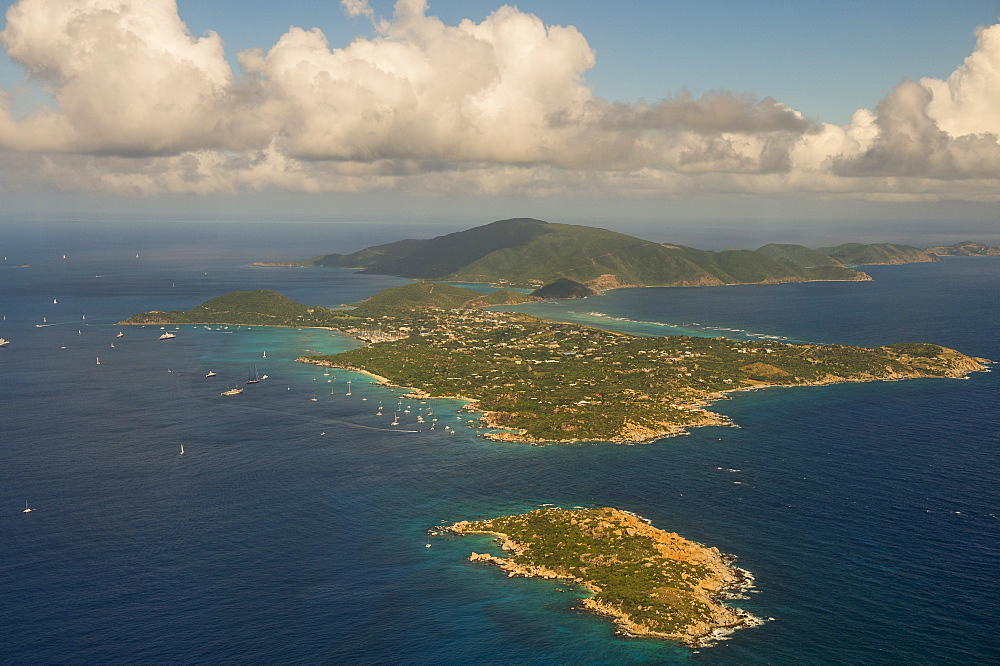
(348, 388)
(26, 509)
(55, 302)
(265, 354)
(254, 377)
(395, 419)
(98, 360)
(210, 374)
(182, 450)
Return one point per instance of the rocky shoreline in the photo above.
(719, 580)
(634, 434)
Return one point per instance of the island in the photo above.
(539, 382)
(651, 583)
(965, 249)
(530, 253)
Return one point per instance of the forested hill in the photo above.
(527, 252)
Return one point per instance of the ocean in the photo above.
(295, 530)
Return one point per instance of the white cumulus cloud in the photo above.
(500, 106)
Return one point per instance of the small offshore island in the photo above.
(651, 583)
(539, 381)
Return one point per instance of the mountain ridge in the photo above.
(530, 253)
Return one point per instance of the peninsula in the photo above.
(539, 381)
(651, 583)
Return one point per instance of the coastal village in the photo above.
(540, 381)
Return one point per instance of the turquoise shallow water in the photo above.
(868, 512)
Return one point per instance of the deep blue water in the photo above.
(868, 512)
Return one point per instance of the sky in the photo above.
(790, 113)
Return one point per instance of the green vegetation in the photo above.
(260, 307)
(564, 288)
(548, 381)
(421, 295)
(651, 582)
(527, 252)
(877, 253)
(798, 255)
(964, 249)
(565, 382)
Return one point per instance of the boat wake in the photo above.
(364, 427)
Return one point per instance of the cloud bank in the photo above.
(500, 107)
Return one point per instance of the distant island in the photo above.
(539, 381)
(529, 253)
(965, 249)
(651, 583)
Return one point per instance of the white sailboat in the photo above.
(265, 354)
(98, 360)
(182, 450)
(26, 509)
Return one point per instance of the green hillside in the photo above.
(563, 288)
(260, 307)
(799, 255)
(527, 252)
(964, 249)
(876, 253)
(433, 295)
(439, 257)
